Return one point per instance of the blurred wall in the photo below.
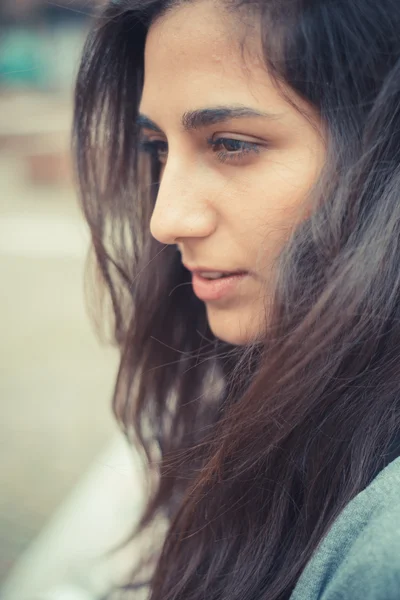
(56, 378)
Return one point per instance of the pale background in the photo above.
(56, 377)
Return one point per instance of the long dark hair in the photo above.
(254, 450)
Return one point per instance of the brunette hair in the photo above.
(255, 449)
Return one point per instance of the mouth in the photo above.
(213, 275)
(218, 286)
(213, 272)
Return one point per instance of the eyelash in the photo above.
(153, 148)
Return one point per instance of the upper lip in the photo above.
(213, 270)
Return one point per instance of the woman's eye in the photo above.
(156, 148)
(226, 149)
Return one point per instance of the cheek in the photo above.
(268, 204)
(272, 204)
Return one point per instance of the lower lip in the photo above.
(214, 289)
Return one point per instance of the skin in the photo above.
(232, 214)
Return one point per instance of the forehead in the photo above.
(199, 55)
(193, 24)
(198, 46)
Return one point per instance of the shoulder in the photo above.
(360, 555)
(371, 569)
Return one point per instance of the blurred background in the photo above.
(56, 377)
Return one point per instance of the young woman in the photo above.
(239, 168)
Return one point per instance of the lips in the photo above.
(214, 276)
(216, 289)
(225, 272)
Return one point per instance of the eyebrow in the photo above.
(201, 118)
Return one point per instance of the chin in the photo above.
(234, 329)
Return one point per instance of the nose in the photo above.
(182, 209)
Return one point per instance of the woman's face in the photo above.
(227, 204)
